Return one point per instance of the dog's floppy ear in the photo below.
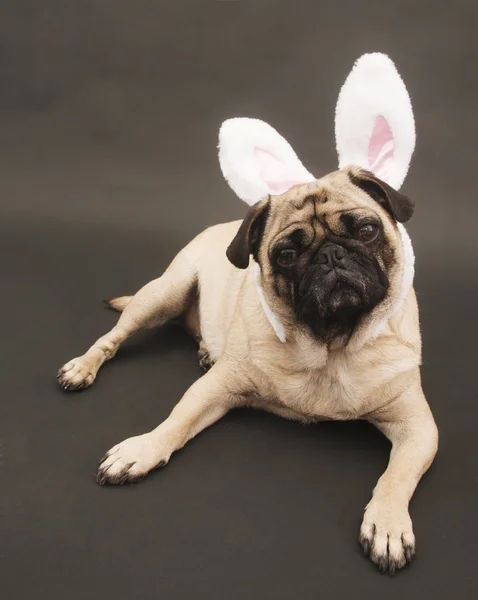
(396, 204)
(249, 235)
(257, 161)
(374, 124)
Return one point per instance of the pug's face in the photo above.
(328, 250)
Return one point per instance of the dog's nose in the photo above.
(330, 256)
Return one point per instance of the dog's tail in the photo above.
(118, 304)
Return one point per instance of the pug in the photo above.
(305, 308)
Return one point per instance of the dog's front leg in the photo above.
(154, 304)
(386, 533)
(205, 402)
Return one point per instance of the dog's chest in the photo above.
(332, 392)
(332, 385)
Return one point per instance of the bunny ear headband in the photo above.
(374, 129)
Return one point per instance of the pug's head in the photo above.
(330, 250)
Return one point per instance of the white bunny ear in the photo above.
(257, 161)
(374, 125)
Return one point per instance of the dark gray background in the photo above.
(109, 113)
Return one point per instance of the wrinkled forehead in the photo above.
(320, 201)
(325, 198)
(318, 206)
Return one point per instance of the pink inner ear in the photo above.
(278, 176)
(381, 149)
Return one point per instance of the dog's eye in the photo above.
(367, 233)
(287, 257)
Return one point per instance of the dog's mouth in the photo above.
(331, 303)
(343, 296)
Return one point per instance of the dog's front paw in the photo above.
(131, 460)
(76, 375)
(387, 536)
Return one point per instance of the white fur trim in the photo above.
(271, 317)
(375, 89)
(407, 280)
(408, 262)
(239, 141)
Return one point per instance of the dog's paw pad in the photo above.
(75, 375)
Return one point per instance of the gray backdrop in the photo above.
(109, 113)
